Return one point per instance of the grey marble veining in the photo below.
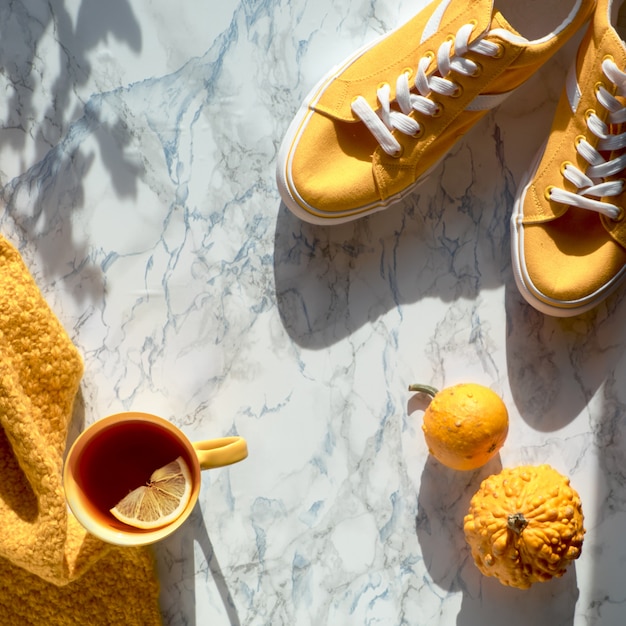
(137, 156)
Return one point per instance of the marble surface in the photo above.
(137, 156)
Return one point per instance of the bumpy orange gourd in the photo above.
(525, 525)
(465, 425)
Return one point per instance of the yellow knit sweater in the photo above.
(51, 571)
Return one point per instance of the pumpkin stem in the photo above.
(431, 391)
(516, 522)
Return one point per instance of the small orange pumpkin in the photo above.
(465, 425)
(525, 525)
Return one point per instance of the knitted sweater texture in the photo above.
(51, 570)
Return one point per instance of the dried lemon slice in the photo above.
(159, 502)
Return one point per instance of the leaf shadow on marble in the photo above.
(448, 240)
(23, 27)
(178, 567)
(443, 501)
(45, 61)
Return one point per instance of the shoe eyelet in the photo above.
(458, 91)
(590, 113)
(451, 39)
(473, 23)
(564, 166)
(547, 194)
(598, 86)
(430, 55)
(500, 53)
(438, 112)
(620, 216)
(478, 71)
(579, 139)
(608, 57)
(382, 85)
(408, 71)
(419, 132)
(398, 154)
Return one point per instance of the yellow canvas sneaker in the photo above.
(375, 126)
(568, 232)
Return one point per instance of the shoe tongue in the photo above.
(484, 13)
(502, 27)
(620, 22)
(399, 51)
(479, 11)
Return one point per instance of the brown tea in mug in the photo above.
(121, 458)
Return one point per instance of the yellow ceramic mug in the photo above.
(118, 453)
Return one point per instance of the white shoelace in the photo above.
(450, 56)
(591, 184)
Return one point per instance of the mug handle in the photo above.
(220, 452)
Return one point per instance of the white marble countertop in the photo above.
(137, 157)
